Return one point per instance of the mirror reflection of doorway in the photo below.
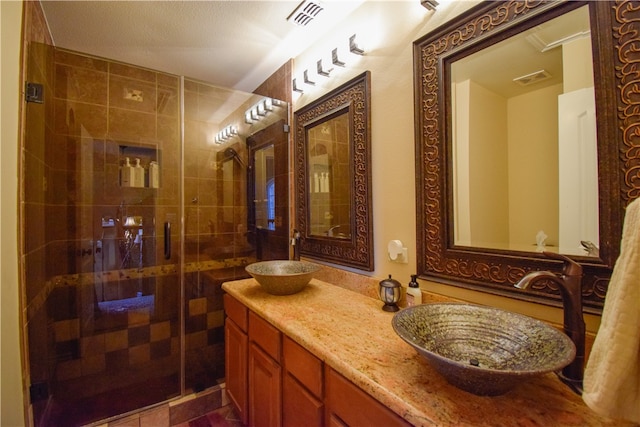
(264, 187)
(268, 192)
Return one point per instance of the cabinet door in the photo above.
(236, 348)
(265, 389)
(302, 389)
(299, 407)
(346, 404)
(303, 366)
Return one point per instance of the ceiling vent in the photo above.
(532, 78)
(305, 13)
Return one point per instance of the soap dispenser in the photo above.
(414, 295)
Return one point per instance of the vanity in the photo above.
(329, 356)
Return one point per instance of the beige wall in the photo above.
(480, 174)
(387, 30)
(577, 64)
(488, 167)
(10, 366)
(533, 166)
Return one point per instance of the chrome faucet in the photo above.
(570, 287)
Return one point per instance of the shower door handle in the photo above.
(167, 240)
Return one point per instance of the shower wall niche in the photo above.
(140, 166)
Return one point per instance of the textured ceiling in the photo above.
(234, 44)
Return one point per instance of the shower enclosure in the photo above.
(133, 214)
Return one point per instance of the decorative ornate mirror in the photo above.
(333, 176)
(485, 230)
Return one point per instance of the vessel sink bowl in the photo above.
(282, 277)
(483, 350)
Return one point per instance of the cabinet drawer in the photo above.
(236, 311)
(265, 335)
(346, 404)
(303, 366)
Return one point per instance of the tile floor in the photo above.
(222, 417)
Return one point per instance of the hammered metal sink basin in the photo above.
(483, 350)
(282, 277)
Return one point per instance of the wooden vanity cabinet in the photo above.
(273, 381)
(236, 347)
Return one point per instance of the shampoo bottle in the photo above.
(138, 174)
(414, 296)
(154, 175)
(126, 174)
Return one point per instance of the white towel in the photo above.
(612, 375)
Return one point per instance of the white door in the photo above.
(578, 170)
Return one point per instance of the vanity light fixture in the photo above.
(321, 71)
(429, 4)
(225, 134)
(334, 58)
(306, 79)
(261, 110)
(353, 46)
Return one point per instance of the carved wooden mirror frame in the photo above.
(356, 251)
(616, 55)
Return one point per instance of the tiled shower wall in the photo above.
(66, 200)
(71, 198)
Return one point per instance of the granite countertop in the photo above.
(349, 332)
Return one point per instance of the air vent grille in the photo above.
(532, 78)
(305, 13)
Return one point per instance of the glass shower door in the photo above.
(101, 242)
